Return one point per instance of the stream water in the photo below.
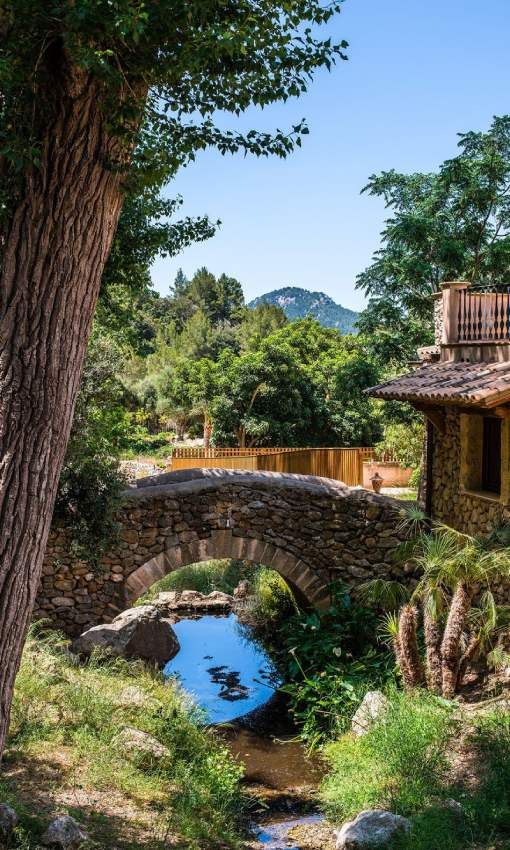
(230, 676)
(223, 668)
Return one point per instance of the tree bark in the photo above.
(451, 646)
(207, 431)
(55, 252)
(411, 665)
(467, 657)
(432, 631)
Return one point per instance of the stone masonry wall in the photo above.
(474, 514)
(311, 530)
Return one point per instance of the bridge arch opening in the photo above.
(308, 588)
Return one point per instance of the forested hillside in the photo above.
(298, 303)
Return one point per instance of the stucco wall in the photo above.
(392, 474)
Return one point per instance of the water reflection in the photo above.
(220, 664)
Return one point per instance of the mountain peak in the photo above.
(298, 303)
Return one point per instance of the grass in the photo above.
(405, 764)
(407, 497)
(65, 720)
(401, 761)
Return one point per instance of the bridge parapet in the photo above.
(311, 530)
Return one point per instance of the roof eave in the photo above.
(489, 402)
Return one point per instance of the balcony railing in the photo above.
(483, 316)
(471, 316)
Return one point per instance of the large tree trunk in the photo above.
(451, 646)
(207, 431)
(55, 252)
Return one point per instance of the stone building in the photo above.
(462, 386)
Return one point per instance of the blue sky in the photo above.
(418, 72)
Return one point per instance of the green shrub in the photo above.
(88, 499)
(403, 441)
(139, 442)
(329, 660)
(400, 764)
(272, 600)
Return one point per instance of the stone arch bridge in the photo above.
(311, 530)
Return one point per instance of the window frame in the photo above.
(471, 455)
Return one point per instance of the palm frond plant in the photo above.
(383, 593)
(454, 603)
(414, 520)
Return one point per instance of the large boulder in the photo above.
(64, 832)
(372, 708)
(137, 633)
(371, 829)
(8, 821)
(134, 742)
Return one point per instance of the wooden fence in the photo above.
(340, 464)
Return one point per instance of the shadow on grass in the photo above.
(40, 788)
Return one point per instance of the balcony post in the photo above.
(451, 296)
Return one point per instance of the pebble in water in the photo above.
(274, 836)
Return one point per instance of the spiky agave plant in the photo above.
(454, 567)
(413, 522)
(400, 629)
(488, 622)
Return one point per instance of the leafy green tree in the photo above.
(101, 100)
(197, 337)
(186, 392)
(175, 401)
(220, 300)
(258, 323)
(353, 417)
(403, 441)
(339, 369)
(128, 306)
(180, 283)
(265, 398)
(449, 225)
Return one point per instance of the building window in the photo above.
(483, 456)
(491, 455)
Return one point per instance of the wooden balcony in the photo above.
(471, 325)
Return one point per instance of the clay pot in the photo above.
(376, 482)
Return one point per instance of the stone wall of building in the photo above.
(311, 530)
(438, 318)
(474, 514)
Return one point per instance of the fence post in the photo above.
(360, 466)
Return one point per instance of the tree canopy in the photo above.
(453, 224)
(162, 70)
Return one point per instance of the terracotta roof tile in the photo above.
(485, 384)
